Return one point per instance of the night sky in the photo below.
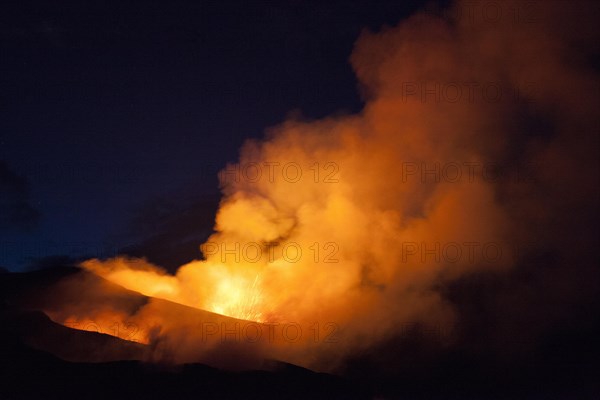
(115, 117)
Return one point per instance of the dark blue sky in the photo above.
(116, 116)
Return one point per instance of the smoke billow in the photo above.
(476, 147)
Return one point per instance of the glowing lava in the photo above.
(358, 220)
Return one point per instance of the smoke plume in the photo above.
(476, 147)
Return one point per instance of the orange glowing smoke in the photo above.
(349, 219)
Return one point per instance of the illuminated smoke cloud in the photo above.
(476, 133)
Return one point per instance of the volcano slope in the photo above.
(41, 357)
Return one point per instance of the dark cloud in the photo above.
(16, 211)
(51, 262)
(168, 232)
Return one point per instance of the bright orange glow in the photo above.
(357, 220)
(114, 324)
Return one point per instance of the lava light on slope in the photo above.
(232, 295)
(357, 195)
(236, 298)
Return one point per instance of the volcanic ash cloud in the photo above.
(465, 119)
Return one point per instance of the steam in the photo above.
(470, 141)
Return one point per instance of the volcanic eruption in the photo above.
(477, 140)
